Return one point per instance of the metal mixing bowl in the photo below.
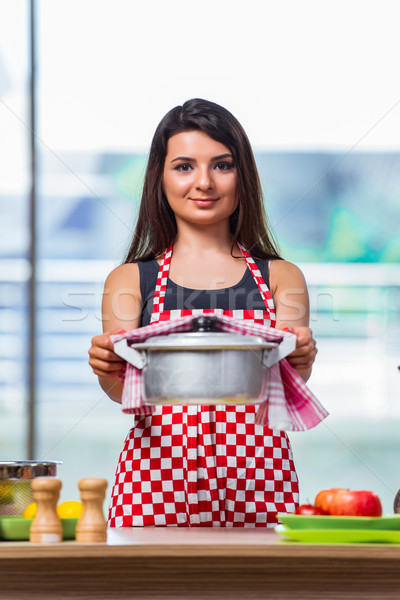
(15, 483)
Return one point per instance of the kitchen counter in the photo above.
(197, 563)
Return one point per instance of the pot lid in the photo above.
(203, 337)
(208, 340)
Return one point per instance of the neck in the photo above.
(193, 239)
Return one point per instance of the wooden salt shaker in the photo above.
(46, 526)
(92, 526)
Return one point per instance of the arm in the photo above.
(290, 294)
(121, 310)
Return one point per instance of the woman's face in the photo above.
(199, 179)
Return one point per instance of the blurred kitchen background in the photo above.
(314, 85)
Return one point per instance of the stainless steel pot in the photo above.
(15, 483)
(201, 366)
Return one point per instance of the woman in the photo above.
(202, 224)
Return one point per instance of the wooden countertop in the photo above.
(155, 563)
(202, 541)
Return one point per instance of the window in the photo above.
(329, 160)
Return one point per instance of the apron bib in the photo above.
(204, 466)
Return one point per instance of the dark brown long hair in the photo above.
(156, 224)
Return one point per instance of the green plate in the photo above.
(17, 528)
(339, 536)
(314, 522)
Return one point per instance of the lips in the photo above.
(204, 201)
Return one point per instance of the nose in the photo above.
(204, 179)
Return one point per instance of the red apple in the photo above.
(324, 498)
(310, 509)
(355, 503)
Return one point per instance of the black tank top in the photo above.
(245, 295)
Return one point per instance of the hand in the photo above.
(103, 360)
(303, 357)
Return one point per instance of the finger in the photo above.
(302, 365)
(304, 333)
(302, 351)
(101, 373)
(103, 354)
(304, 339)
(105, 374)
(298, 360)
(102, 341)
(299, 364)
(302, 361)
(305, 367)
(305, 345)
(106, 366)
(113, 361)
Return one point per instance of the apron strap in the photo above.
(258, 278)
(161, 285)
(162, 279)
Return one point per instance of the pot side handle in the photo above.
(135, 358)
(287, 345)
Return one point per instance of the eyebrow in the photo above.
(188, 159)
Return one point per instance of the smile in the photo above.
(204, 201)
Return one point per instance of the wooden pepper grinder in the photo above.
(92, 526)
(46, 526)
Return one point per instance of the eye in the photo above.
(183, 167)
(224, 166)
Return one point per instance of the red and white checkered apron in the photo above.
(204, 465)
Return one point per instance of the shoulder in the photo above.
(126, 275)
(122, 300)
(284, 274)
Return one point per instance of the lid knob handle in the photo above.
(204, 323)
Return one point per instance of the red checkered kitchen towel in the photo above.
(286, 403)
